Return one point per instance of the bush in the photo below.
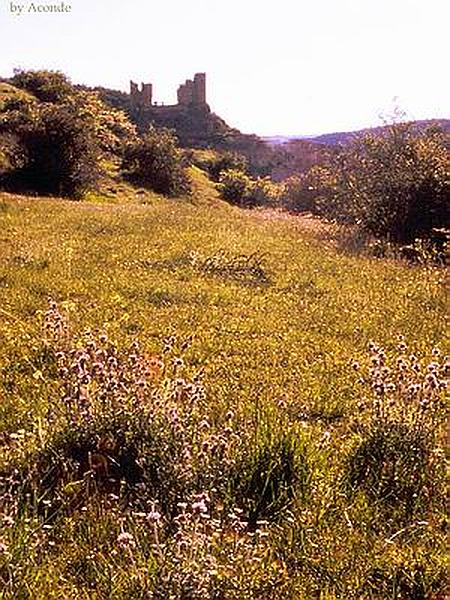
(308, 192)
(57, 151)
(47, 86)
(395, 185)
(264, 192)
(226, 161)
(57, 146)
(111, 127)
(234, 187)
(238, 188)
(155, 162)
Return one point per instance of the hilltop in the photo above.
(195, 125)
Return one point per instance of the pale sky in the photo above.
(273, 67)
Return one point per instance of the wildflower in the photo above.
(199, 507)
(153, 516)
(3, 548)
(432, 381)
(125, 540)
(112, 362)
(414, 389)
(179, 536)
(378, 387)
(7, 521)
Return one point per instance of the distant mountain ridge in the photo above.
(343, 137)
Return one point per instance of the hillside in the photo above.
(248, 326)
(196, 126)
(342, 137)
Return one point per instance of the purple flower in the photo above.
(125, 540)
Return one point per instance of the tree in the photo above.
(394, 184)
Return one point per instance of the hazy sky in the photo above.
(273, 67)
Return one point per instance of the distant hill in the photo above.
(342, 137)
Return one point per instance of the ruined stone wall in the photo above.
(141, 97)
(191, 92)
(185, 93)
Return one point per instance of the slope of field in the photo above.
(275, 318)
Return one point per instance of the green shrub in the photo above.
(47, 86)
(111, 127)
(307, 192)
(58, 145)
(226, 161)
(57, 151)
(395, 185)
(238, 188)
(156, 162)
(264, 192)
(234, 187)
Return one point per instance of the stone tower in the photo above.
(141, 97)
(199, 88)
(193, 91)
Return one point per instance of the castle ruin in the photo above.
(190, 93)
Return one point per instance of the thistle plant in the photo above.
(397, 462)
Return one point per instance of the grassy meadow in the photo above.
(243, 341)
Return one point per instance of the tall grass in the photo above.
(170, 431)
